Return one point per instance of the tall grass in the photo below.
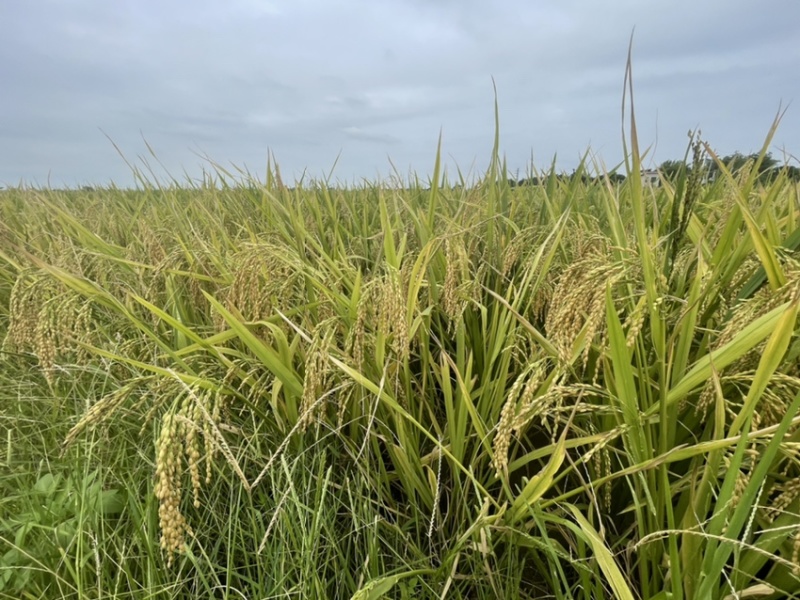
(573, 390)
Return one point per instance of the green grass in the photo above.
(575, 390)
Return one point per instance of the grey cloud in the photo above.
(357, 133)
(310, 80)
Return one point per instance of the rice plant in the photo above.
(578, 389)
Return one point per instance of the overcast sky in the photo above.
(372, 80)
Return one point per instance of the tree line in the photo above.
(768, 170)
(671, 170)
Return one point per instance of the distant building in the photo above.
(650, 178)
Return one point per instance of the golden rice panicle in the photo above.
(63, 253)
(595, 321)
(343, 398)
(505, 426)
(192, 420)
(546, 406)
(48, 321)
(179, 441)
(168, 487)
(746, 312)
(450, 280)
(269, 276)
(365, 312)
(502, 438)
(315, 379)
(68, 318)
(520, 253)
(45, 339)
(566, 315)
(776, 398)
(704, 401)
(247, 293)
(606, 470)
(403, 340)
(742, 479)
(456, 278)
(23, 313)
(763, 301)
(527, 398)
(393, 315)
(264, 278)
(634, 322)
(742, 314)
(514, 251)
(789, 491)
(578, 299)
(156, 290)
(210, 449)
(743, 474)
(151, 248)
(599, 457)
(100, 411)
(55, 330)
(743, 273)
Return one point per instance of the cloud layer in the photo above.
(366, 81)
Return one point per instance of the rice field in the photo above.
(579, 389)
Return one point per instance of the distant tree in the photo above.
(736, 161)
(792, 172)
(767, 170)
(616, 177)
(671, 169)
(579, 174)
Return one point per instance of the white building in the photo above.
(650, 178)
